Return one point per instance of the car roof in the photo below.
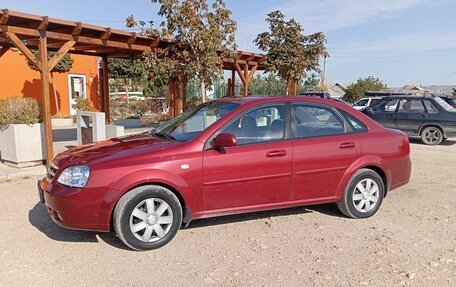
(270, 99)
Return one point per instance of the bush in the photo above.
(19, 111)
(82, 105)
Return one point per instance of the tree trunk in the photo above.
(288, 92)
(203, 91)
(55, 94)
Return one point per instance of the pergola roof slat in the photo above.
(93, 40)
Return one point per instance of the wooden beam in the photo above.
(105, 89)
(43, 25)
(172, 98)
(25, 50)
(46, 99)
(3, 50)
(252, 73)
(106, 34)
(60, 54)
(240, 72)
(246, 81)
(5, 17)
(77, 30)
(132, 38)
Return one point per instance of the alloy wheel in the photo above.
(151, 220)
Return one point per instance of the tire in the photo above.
(431, 135)
(147, 217)
(357, 204)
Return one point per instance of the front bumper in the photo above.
(72, 208)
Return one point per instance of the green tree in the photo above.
(267, 86)
(63, 66)
(311, 83)
(126, 69)
(204, 31)
(357, 90)
(290, 53)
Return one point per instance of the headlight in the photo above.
(75, 176)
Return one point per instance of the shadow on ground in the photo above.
(40, 219)
(327, 209)
(446, 142)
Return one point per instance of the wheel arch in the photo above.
(186, 213)
(382, 174)
(431, 124)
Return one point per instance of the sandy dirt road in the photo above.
(410, 242)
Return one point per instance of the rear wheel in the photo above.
(431, 136)
(147, 217)
(363, 195)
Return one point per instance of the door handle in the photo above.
(276, 153)
(347, 145)
(422, 117)
(390, 116)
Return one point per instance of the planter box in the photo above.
(22, 145)
(128, 123)
(59, 123)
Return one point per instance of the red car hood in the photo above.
(130, 146)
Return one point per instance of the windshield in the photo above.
(191, 123)
(444, 104)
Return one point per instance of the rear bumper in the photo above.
(72, 208)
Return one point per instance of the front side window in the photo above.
(191, 123)
(312, 121)
(260, 125)
(386, 105)
(361, 103)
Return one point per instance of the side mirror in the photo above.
(225, 140)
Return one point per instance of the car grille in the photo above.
(52, 170)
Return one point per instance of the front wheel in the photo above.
(147, 217)
(431, 136)
(363, 195)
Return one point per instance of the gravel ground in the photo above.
(410, 242)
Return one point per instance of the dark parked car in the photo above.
(228, 156)
(428, 117)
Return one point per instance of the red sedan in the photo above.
(227, 156)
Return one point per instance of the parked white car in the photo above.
(365, 102)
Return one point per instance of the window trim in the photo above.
(287, 134)
(353, 129)
(347, 128)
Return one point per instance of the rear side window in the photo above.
(410, 106)
(356, 124)
(313, 121)
(431, 108)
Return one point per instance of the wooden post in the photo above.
(184, 94)
(246, 83)
(46, 100)
(177, 93)
(229, 88)
(105, 89)
(233, 82)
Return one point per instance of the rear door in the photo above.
(323, 149)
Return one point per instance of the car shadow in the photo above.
(39, 217)
(446, 142)
(328, 209)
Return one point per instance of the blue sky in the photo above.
(399, 41)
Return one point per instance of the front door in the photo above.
(411, 115)
(323, 148)
(384, 112)
(254, 173)
(77, 89)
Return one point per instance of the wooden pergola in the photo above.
(29, 32)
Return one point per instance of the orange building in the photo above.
(17, 79)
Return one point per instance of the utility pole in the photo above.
(323, 75)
